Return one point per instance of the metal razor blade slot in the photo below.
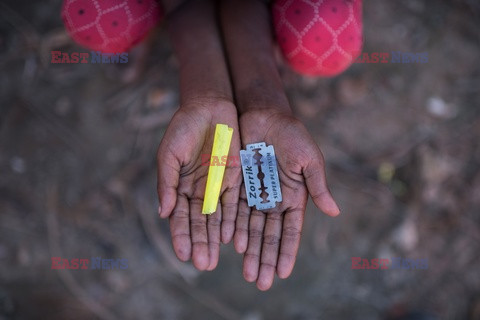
(260, 175)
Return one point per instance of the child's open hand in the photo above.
(270, 239)
(206, 99)
(182, 179)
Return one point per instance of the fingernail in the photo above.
(159, 210)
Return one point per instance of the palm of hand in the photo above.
(293, 149)
(188, 137)
(270, 240)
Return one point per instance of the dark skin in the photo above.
(260, 112)
(206, 99)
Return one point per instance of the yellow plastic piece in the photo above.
(221, 145)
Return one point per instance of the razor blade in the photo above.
(260, 176)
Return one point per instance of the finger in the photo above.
(199, 235)
(271, 244)
(233, 177)
(213, 228)
(168, 170)
(229, 212)
(251, 259)
(240, 240)
(316, 182)
(291, 232)
(180, 229)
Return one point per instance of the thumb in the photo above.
(314, 174)
(168, 171)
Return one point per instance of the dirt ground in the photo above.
(401, 141)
